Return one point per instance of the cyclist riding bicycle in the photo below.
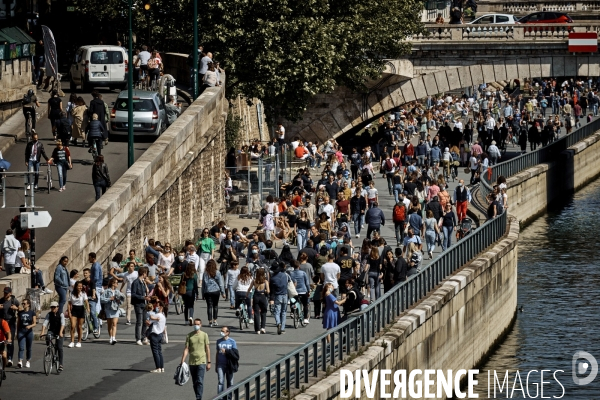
(55, 325)
(30, 102)
(5, 336)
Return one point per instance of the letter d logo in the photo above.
(581, 367)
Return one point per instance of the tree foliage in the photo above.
(282, 51)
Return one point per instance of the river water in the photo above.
(559, 290)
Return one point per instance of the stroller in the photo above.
(465, 228)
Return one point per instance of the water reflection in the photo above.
(559, 289)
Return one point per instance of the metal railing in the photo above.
(545, 154)
(297, 367)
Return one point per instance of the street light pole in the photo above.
(195, 52)
(130, 156)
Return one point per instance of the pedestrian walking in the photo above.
(197, 346)
(61, 156)
(100, 176)
(111, 300)
(61, 281)
(189, 280)
(34, 151)
(374, 219)
(279, 294)
(26, 321)
(9, 306)
(139, 297)
(157, 323)
(78, 303)
(260, 285)
(212, 286)
(227, 352)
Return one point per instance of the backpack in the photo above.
(27, 99)
(454, 156)
(65, 128)
(399, 213)
(389, 167)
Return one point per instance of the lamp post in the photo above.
(195, 52)
(130, 155)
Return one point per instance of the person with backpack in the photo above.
(399, 217)
(34, 151)
(30, 101)
(64, 129)
(390, 167)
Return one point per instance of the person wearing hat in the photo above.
(54, 324)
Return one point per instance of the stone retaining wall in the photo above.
(173, 188)
(533, 190)
(453, 328)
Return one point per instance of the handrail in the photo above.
(542, 155)
(296, 367)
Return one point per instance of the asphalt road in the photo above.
(65, 207)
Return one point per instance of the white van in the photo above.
(99, 65)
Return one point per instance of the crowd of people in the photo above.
(414, 151)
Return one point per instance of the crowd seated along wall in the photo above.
(172, 189)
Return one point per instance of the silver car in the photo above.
(149, 115)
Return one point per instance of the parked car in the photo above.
(494, 19)
(99, 65)
(545, 17)
(149, 115)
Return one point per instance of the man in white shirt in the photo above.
(326, 208)
(330, 273)
(128, 278)
(144, 56)
(10, 247)
(458, 124)
(281, 132)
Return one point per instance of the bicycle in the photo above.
(51, 354)
(175, 281)
(243, 316)
(29, 123)
(297, 312)
(49, 178)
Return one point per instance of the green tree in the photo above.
(286, 51)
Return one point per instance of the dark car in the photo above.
(546, 17)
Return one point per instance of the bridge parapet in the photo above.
(508, 32)
(530, 6)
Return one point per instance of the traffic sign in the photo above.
(35, 219)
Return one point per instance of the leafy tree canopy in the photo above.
(286, 51)
(282, 51)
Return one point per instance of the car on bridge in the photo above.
(494, 19)
(546, 17)
(149, 114)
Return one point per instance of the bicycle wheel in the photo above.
(85, 330)
(48, 359)
(49, 179)
(97, 334)
(56, 363)
(246, 318)
(295, 317)
(302, 317)
(242, 317)
(178, 304)
(1, 374)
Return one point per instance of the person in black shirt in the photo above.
(346, 264)
(55, 324)
(179, 265)
(310, 252)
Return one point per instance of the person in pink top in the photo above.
(476, 149)
(434, 189)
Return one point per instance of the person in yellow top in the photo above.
(197, 346)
